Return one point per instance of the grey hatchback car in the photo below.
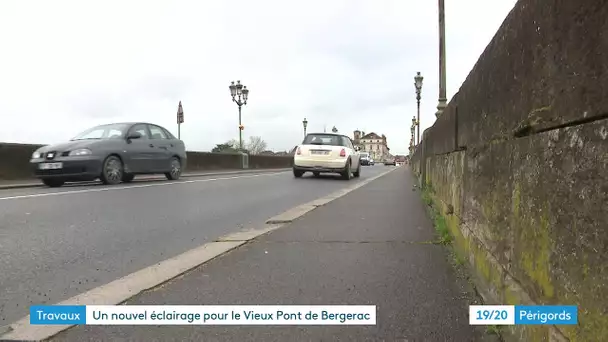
(113, 153)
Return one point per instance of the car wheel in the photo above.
(347, 174)
(297, 173)
(128, 177)
(112, 171)
(357, 173)
(316, 174)
(176, 170)
(53, 183)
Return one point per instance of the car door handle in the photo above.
(151, 145)
(163, 147)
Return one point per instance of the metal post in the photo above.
(240, 131)
(442, 64)
(418, 122)
(180, 119)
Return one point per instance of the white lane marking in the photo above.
(71, 192)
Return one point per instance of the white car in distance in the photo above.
(327, 153)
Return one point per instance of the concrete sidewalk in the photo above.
(34, 183)
(369, 247)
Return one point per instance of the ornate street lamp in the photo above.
(239, 94)
(413, 128)
(414, 124)
(305, 124)
(418, 85)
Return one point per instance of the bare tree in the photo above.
(256, 145)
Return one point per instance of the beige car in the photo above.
(327, 153)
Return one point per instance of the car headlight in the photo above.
(36, 155)
(81, 152)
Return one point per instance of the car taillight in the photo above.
(298, 152)
(343, 153)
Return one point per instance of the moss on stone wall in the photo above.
(514, 214)
(535, 253)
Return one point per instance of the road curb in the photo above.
(189, 175)
(121, 290)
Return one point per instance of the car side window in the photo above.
(346, 142)
(157, 132)
(342, 141)
(141, 129)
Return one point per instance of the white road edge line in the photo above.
(71, 192)
(127, 287)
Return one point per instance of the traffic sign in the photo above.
(180, 113)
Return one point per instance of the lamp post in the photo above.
(305, 124)
(413, 129)
(334, 129)
(442, 78)
(239, 94)
(414, 124)
(418, 84)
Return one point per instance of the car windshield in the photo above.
(322, 139)
(113, 131)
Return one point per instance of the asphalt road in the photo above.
(369, 247)
(57, 243)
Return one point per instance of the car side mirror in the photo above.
(133, 135)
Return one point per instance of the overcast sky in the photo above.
(69, 65)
